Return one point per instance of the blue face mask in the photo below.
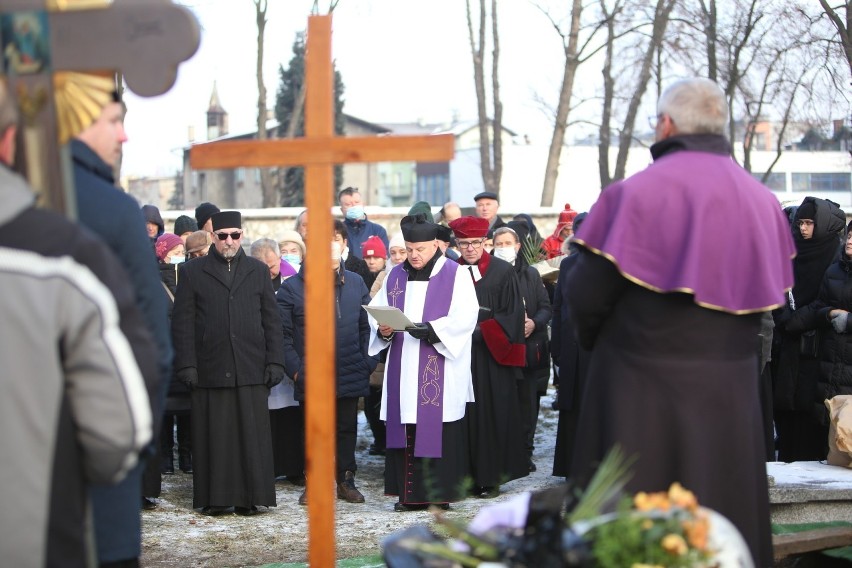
(293, 259)
(177, 259)
(355, 213)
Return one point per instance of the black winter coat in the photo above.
(538, 309)
(229, 330)
(353, 364)
(835, 376)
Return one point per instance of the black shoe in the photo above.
(246, 511)
(214, 511)
(532, 465)
(167, 466)
(148, 504)
(376, 450)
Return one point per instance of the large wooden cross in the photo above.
(48, 48)
(319, 151)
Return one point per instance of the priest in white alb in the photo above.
(427, 381)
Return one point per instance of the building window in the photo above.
(775, 181)
(807, 182)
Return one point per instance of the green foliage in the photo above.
(292, 187)
(531, 249)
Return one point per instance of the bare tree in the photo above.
(563, 107)
(844, 29)
(662, 12)
(490, 132)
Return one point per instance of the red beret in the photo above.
(373, 246)
(470, 227)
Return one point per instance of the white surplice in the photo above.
(455, 331)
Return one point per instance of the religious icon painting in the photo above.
(25, 42)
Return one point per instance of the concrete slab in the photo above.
(809, 492)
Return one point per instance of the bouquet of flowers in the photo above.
(557, 527)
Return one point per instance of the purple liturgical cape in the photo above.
(654, 227)
(430, 368)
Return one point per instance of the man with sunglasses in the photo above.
(497, 443)
(229, 349)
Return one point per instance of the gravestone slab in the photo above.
(809, 492)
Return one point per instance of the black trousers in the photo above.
(347, 435)
(372, 410)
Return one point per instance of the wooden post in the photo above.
(319, 299)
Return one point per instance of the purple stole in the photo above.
(430, 367)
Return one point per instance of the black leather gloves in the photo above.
(273, 375)
(188, 376)
(423, 332)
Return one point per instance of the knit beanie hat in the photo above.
(373, 246)
(185, 224)
(396, 241)
(291, 236)
(203, 212)
(424, 208)
(165, 243)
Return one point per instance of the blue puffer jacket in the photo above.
(353, 333)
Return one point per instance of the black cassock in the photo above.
(496, 429)
(676, 385)
(226, 324)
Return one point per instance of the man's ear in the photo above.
(7, 146)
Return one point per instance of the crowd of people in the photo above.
(657, 342)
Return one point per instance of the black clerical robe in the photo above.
(496, 430)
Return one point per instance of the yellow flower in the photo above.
(696, 531)
(682, 497)
(674, 544)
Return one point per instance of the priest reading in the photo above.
(495, 427)
(427, 382)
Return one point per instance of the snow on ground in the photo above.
(174, 534)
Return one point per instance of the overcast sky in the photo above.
(400, 60)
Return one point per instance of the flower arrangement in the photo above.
(656, 530)
(559, 527)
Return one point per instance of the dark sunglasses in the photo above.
(234, 236)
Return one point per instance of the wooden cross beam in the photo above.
(319, 151)
(45, 44)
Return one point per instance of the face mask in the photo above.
(355, 213)
(509, 254)
(177, 259)
(293, 259)
(335, 251)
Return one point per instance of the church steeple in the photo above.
(217, 117)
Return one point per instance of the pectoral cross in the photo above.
(395, 293)
(47, 43)
(319, 151)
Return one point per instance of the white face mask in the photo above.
(335, 251)
(509, 254)
(177, 259)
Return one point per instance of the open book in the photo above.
(390, 316)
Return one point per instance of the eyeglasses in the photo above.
(805, 223)
(470, 244)
(235, 235)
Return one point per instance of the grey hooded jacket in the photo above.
(74, 407)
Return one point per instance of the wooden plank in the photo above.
(322, 150)
(785, 545)
(319, 303)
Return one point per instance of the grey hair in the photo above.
(696, 106)
(8, 107)
(260, 246)
(504, 230)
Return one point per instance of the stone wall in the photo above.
(271, 222)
